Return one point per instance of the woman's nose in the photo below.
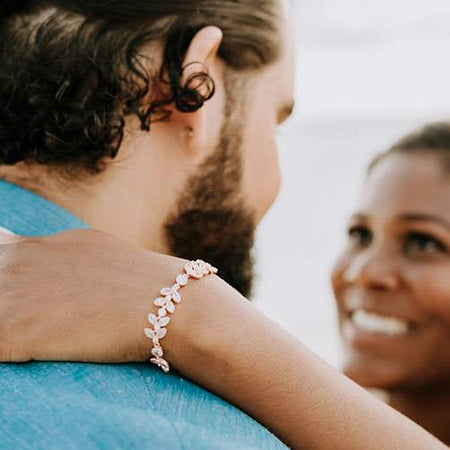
(374, 270)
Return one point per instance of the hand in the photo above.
(78, 296)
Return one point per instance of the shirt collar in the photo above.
(26, 213)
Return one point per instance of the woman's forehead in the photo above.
(406, 183)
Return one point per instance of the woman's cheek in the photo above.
(431, 289)
(338, 276)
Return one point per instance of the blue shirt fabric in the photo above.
(116, 406)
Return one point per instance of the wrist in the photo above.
(187, 316)
(202, 334)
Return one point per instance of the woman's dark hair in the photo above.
(432, 138)
(72, 70)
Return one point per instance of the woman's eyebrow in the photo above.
(359, 216)
(422, 217)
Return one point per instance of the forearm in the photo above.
(95, 309)
(237, 352)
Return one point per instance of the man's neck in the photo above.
(429, 409)
(118, 201)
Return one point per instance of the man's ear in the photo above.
(204, 46)
(200, 57)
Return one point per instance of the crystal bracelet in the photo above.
(171, 297)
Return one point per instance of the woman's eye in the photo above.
(360, 235)
(419, 242)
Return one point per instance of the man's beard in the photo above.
(210, 221)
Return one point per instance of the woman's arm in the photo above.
(89, 301)
(243, 356)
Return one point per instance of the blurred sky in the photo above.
(368, 72)
(373, 57)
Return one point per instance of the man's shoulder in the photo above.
(119, 405)
(62, 405)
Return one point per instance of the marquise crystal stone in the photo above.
(160, 333)
(176, 297)
(164, 321)
(182, 280)
(166, 291)
(153, 319)
(158, 322)
(152, 335)
(170, 307)
(160, 301)
(149, 333)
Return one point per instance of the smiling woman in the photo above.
(392, 281)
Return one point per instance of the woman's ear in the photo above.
(200, 57)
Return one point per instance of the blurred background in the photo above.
(368, 72)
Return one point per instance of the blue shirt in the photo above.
(77, 405)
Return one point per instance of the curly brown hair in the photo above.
(72, 70)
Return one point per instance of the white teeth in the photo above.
(374, 323)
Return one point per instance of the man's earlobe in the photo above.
(188, 132)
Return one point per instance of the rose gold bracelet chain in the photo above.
(171, 297)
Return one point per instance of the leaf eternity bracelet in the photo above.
(171, 297)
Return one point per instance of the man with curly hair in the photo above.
(153, 121)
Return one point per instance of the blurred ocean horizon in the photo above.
(368, 72)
